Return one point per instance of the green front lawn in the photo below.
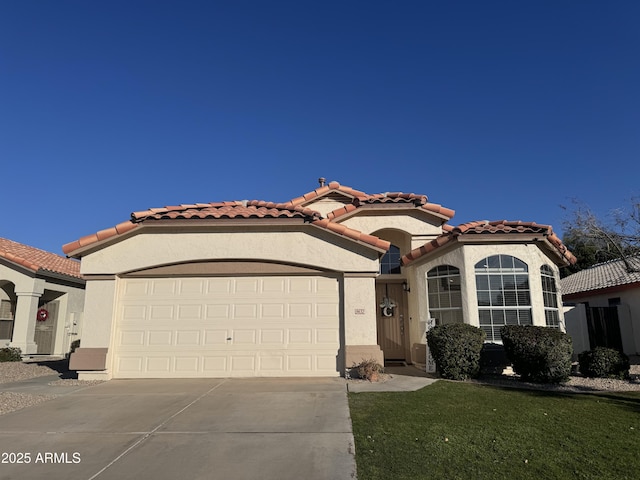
(455, 430)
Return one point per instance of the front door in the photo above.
(46, 323)
(391, 302)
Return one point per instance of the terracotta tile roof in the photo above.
(604, 275)
(488, 228)
(353, 234)
(38, 260)
(361, 199)
(233, 209)
(324, 190)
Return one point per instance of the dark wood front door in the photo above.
(391, 304)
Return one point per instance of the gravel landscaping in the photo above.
(576, 384)
(18, 371)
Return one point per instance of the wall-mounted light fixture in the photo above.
(405, 287)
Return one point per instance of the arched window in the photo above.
(550, 295)
(504, 297)
(445, 297)
(390, 261)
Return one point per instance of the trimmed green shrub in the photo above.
(604, 363)
(538, 354)
(10, 354)
(456, 348)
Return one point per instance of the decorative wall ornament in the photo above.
(387, 307)
(42, 315)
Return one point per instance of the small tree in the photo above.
(597, 239)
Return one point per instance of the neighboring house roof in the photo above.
(490, 228)
(601, 276)
(38, 261)
(253, 209)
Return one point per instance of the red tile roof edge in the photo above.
(361, 198)
(356, 235)
(486, 227)
(41, 260)
(318, 192)
(137, 218)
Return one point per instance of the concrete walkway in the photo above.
(182, 429)
(398, 379)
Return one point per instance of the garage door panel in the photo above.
(272, 337)
(227, 327)
(163, 287)
(192, 286)
(186, 365)
(217, 311)
(134, 338)
(216, 337)
(190, 312)
(188, 338)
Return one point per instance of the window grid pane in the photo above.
(445, 296)
(550, 297)
(504, 298)
(390, 261)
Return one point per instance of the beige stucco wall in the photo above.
(319, 249)
(414, 223)
(464, 257)
(360, 310)
(326, 205)
(629, 315)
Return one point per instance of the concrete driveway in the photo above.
(262, 428)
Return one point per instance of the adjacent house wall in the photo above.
(628, 313)
(30, 292)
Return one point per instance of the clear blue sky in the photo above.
(499, 110)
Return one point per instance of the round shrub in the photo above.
(538, 354)
(456, 350)
(604, 362)
(10, 354)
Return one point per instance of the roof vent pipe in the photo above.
(322, 181)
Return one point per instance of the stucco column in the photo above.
(93, 359)
(360, 326)
(24, 325)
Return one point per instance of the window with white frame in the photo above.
(504, 296)
(390, 261)
(550, 296)
(6, 320)
(445, 296)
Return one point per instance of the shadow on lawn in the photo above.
(629, 400)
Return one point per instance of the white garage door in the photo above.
(227, 327)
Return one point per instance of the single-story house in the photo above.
(41, 299)
(308, 287)
(603, 306)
